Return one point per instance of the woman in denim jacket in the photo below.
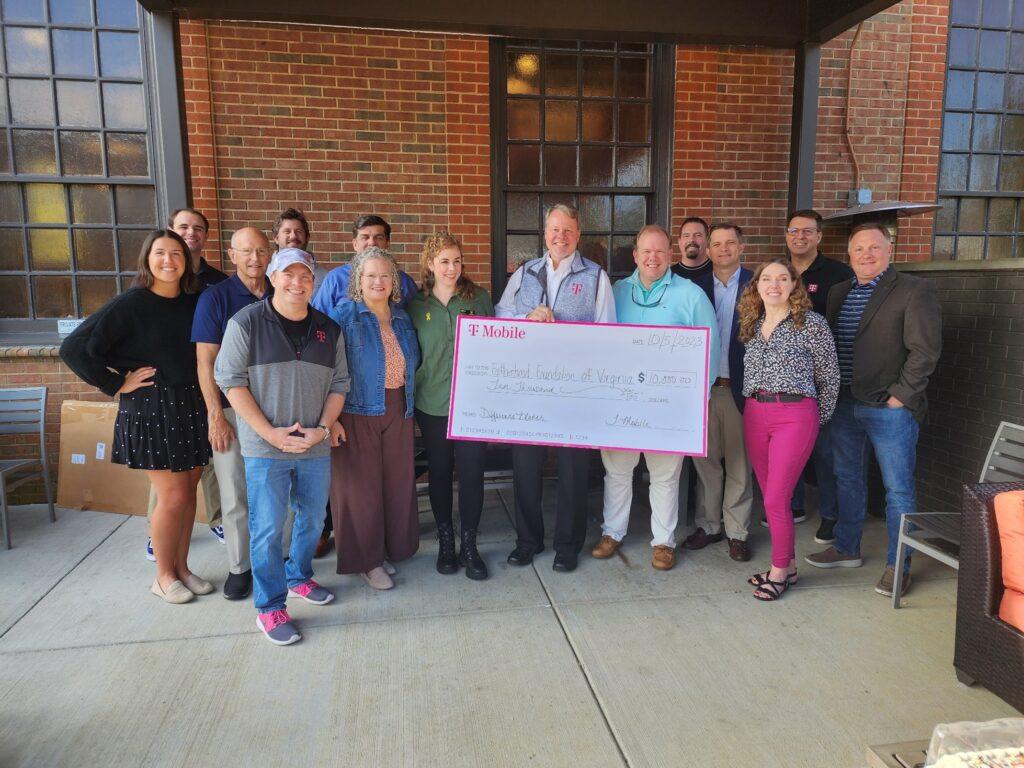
(373, 492)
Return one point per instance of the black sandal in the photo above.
(771, 591)
(760, 578)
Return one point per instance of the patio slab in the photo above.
(694, 680)
(43, 553)
(118, 607)
(499, 689)
(615, 664)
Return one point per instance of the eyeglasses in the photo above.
(652, 302)
(806, 232)
(247, 252)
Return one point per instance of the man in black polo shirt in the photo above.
(194, 228)
(818, 274)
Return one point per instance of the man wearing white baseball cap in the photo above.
(282, 367)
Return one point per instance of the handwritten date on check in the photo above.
(624, 387)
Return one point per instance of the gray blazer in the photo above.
(898, 340)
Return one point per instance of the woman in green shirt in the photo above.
(445, 294)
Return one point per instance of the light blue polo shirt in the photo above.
(671, 300)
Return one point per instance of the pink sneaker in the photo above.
(312, 592)
(278, 627)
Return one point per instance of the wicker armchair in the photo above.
(988, 650)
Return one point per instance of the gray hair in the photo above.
(355, 279)
(568, 210)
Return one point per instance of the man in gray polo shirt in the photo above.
(282, 367)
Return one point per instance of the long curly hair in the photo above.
(432, 246)
(355, 288)
(750, 307)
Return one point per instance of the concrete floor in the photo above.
(613, 665)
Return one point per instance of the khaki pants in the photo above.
(664, 493)
(234, 504)
(725, 476)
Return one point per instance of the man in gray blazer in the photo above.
(888, 331)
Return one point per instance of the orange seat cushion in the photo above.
(1010, 523)
(1011, 608)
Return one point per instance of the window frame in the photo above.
(956, 196)
(662, 100)
(164, 133)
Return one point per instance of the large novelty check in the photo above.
(626, 387)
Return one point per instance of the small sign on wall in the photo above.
(66, 325)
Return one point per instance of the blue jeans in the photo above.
(271, 485)
(893, 435)
(825, 475)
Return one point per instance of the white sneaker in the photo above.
(149, 551)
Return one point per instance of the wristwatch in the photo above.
(327, 432)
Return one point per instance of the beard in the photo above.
(691, 252)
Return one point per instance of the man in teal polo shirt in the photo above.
(652, 295)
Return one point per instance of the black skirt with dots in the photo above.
(162, 427)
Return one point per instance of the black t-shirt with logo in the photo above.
(295, 330)
(819, 278)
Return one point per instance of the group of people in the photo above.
(300, 388)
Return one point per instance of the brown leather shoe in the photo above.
(605, 548)
(663, 557)
(323, 546)
(739, 550)
(700, 539)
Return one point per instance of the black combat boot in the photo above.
(446, 562)
(469, 557)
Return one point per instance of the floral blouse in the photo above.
(794, 362)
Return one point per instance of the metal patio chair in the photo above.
(937, 534)
(23, 412)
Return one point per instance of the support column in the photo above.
(803, 134)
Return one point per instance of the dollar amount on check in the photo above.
(628, 387)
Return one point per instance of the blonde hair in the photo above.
(433, 246)
(750, 307)
(355, 288)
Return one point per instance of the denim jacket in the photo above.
(365, 352)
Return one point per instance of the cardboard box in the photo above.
(86, 477)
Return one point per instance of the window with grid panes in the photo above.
(981, 175)
(77, 191)
(579, 129)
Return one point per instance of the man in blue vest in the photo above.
(725, 473)
(560, 285)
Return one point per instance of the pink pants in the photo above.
(780, 438)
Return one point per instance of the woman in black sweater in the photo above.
(140, 349)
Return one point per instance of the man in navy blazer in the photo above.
(725, 476)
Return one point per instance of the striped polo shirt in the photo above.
(848, 322)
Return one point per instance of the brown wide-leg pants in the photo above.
(373, 489)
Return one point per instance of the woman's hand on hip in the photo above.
(137, 379)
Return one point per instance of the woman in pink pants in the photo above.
(791, 382)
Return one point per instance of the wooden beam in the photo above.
(741, 22)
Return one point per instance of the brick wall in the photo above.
(979, 380)
(731, 136)
(34, 367)
(732, 125)
(340, 122)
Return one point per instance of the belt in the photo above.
(721, 382)
(777, 397)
